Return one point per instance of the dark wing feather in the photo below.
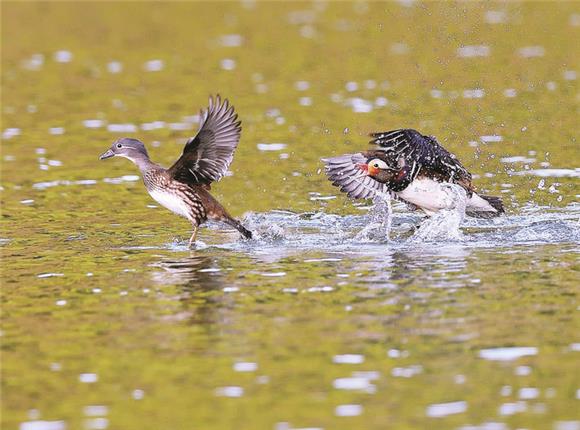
(344, 173)
(207, 156)
(423, 150)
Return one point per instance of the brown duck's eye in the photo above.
(376, 165)
(119, 145)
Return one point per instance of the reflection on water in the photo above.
(339, 314)
(197, 278)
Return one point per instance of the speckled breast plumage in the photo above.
(178, 197)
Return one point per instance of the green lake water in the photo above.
(110, 322)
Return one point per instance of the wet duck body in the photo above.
(413, 168)
(184, 187)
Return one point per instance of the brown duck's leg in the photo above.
(193, 235)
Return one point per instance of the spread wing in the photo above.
(425, 151)
(207, 156)
(344, 173)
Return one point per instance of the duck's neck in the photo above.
(144, 163)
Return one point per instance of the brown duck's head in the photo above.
(379, 169)
(132, 149)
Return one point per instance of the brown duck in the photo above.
(184, 187)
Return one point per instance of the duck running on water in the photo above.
(184, 187)
(413, 168)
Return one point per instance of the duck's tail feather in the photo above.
(238, 226)
(480, 206)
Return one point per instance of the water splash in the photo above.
(381, 215)
(445, 224)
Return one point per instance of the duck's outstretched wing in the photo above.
(207, 156)
(344, 173)
(425, 152)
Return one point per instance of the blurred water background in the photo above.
(110, 322)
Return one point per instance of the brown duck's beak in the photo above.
(107, 154)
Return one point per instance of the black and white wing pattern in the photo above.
(424, 151)
(207, 156)
(344, 173)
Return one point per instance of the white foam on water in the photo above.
(271, 146)
(531, 51)
(507, 409)
(231, 40)
(93, 123)
(490, 425)
(507, 353)
(228, 64)
(359, 105)
(230, 391)
(155, 125)
(96, 410)
(122, 128)
(348, 359)
(351, 86)
(523, 371)
(88, 378)
(491, 138)
(476, 93)
(9, 133)
(528, 393)
(180, 126)
(400, 48)
(510, 92)
(348, 410)
(436, 94)
(137, 394)
(49, 275)
(43, 425)
(154, 65)
(96, 423)
(63, 56)
(407, 372)
(352, 383)
(470, 51)
(124, 178)
(567, 425)
(517, 159)
(56, 131)
(551, 173)
(495, 17)
(302, 85)
(114, 67)
(438, 410)
(381, 101)
(35, 62)
(245, 366)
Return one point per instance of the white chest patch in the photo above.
(171, 202)
(430, 195)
